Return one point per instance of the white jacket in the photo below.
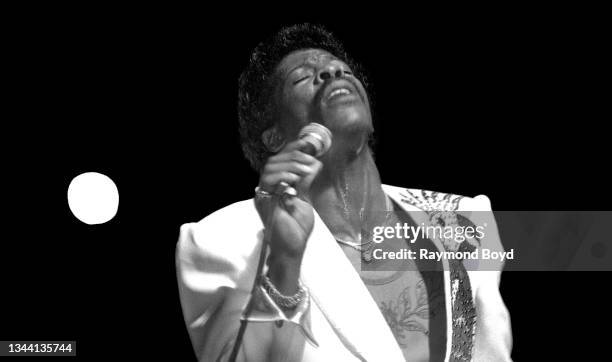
(216, 263)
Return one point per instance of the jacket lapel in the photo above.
(420, 216)
(341, 295)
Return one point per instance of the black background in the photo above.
(505, 103)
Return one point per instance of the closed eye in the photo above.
(301, 79)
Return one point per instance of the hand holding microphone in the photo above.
(316, 141)
(288, 220)
(313, 140)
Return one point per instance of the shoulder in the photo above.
(237, 216)
(427, 200)
(228, 233)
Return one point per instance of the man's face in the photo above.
(315, 86)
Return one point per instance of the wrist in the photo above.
(284, 272)
(286, 302)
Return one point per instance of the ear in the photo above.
(273, 139)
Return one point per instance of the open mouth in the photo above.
(338, 92)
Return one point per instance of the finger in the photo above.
(289, 202)
(270, 182)
(292, 156)
(304, 184)
(289, 166)
(295, 145)
(288, 190)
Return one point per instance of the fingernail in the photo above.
(290, 191)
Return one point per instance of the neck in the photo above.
(347, 193)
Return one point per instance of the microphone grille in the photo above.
(318, 135)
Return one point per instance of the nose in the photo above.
(333, 69)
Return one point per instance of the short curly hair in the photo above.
(257, 82)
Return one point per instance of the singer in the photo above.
(295, 279)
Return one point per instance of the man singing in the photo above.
(290, 275)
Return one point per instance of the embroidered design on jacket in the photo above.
(441, 210)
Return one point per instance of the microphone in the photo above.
(319, 140)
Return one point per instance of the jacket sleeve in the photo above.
(215, 275)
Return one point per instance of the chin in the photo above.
(348, 119)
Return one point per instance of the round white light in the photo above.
(93, 198)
